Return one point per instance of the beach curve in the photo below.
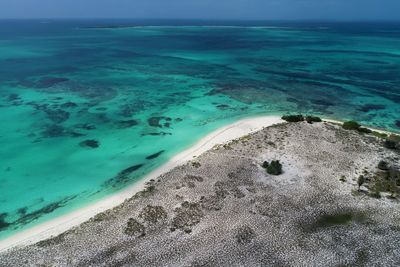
(65, 222)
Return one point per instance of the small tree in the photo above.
(293, 118)
(390, 144)
(311, 119)
(351, 125)
(360, 181)
(274, 168)
(383, 165)
(265, 164)
(393, 189)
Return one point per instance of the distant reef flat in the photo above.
(334, 203)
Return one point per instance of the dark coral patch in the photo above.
(397, 123)
(57, 115)
(85, 126)
(322, 102)
(155, 155)
(130, 170)
(371, 107)
(158, 121)
(222, 106)
(90, 143)
(69, 105)
(157, 134)
(13, 97)
(127, 124)
(22, 211)
(54, 130)
(34, 215)
(122, 178)
(154, 122)
(3, 223)
(47, 82)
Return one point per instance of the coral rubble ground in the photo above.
(224, 209)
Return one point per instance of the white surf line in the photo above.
(65, 222)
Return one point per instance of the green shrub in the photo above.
(390, 144)
(394, 137)
(378, 134)
(383, 165)
(311, 119)
(293, 118)
(265, 164)
(360, 181)
(275, 168)
(375, 194)
(135, 228)
(394, 175)
(364, 130)
(351, 125)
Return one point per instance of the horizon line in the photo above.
(207, 19)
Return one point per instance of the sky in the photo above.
(204, 9)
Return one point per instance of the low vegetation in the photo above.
(351, 125)
(355, 126)
(273, 168)
(134, 228)
(245, 235)
(383, 165)
(299, 118)
(293, 118)
(360, 181)
(335, 220)
(390, 144)
(265, 164)
(153, 214)
(385, 180)
(186, 216)
(311, 119)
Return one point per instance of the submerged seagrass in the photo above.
(81, 102)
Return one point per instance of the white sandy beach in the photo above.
(63, 223)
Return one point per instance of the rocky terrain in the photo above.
(224, 209)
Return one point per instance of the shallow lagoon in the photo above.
(88, 109)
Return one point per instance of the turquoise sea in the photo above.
(88, 107)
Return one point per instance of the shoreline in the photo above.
(368, 127)
(65, 222)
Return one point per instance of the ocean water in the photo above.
(89, 107)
